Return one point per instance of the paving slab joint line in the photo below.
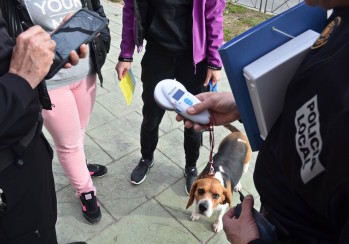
(177, 219)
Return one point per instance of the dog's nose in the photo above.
(203, 207)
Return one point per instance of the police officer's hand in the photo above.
(244, 229)
(221, 106)
(33, 55)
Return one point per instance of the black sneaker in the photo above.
(139, 173)
(90, 207)
(97, 170)
(190, 174)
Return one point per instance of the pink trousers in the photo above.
(66, 122)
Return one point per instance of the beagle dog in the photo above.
(213, 192)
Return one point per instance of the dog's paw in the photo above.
(194, 217)
(217, 226)
(238, 187)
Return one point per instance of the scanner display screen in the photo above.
(178, 94)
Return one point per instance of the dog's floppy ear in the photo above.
(228, 195)
(191, 194)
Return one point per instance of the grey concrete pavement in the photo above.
(154, 211)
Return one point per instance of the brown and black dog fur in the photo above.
(214, 192)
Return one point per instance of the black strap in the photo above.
(11, 17)
(22, 145)
(87, 3)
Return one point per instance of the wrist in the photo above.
(214, 67)
(32, 80)
(234, 114)
(123, 59)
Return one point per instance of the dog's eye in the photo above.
(215, 196)
(201, 191)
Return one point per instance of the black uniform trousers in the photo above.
(29, 193)
(157, 67)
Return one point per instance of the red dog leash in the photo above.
(211, 171)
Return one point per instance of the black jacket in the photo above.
(19, 104)
(302, 170)
(101, 44)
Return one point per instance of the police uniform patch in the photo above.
(323, 38)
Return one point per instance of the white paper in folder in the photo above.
(267, 78)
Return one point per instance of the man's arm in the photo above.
(30, 61)
(214, 30)
(127, 45)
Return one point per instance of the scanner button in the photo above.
(188, 101)
(178, 110)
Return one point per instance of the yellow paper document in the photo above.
(127, 86)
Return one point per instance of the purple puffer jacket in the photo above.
(207, 31)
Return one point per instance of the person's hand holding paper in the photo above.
(127, 85)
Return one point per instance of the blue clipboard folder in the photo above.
(258, 41)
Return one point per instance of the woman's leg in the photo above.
(192, 78)
(65, 126)
(85, 97)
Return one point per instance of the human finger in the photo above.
(74, 57)
(179, 118)
(120, 71)
(247, 206)
(68, 66)
(68, 16)
(200, 127)
(197, 108)
(229, 214)
(207, 80)
(216, 76)
(35, 30)
(83, 51)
